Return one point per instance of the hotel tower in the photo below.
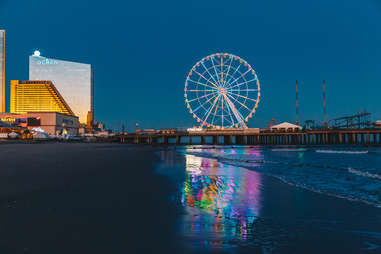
(73, 81)
(2, 70)
(37, 96)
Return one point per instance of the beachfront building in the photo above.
(37, 96)
(49, 122)
(74, 81)
(2, 70)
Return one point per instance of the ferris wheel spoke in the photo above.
(242, 90)
(232, 76)
(200, 90)
(207, 113)
(243, 105)
(241, 76)
(217, 107)
(205, 78)
(227, 73)
(203, 103)
(215, 111)
(243, 83)
(225, 108)
(235, 111)
(208, 72)
(214, 66)
(202, 84)
(222, 71)
(247, 98)
(222, 111)
(206, 95)
(230, 113)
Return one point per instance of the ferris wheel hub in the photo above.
(222, 90)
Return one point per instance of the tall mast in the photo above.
(297, 104)
(324, 106)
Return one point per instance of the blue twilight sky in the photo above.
(141, 52)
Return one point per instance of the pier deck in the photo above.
(244, 137)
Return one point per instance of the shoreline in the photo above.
(248, 164)
(308, 188)
(291, 219)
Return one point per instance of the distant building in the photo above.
(50, 122)
(2, 70)
(37, 96)
(98, 126)
(286, 127)
(90, 121)
(74, 81)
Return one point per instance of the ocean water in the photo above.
(345, 172)
(276, 200)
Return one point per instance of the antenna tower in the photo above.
(324, 106)
(297, 104)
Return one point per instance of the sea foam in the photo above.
(342, 151)
(364, 173)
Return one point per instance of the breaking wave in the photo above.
(289, 150)
(364, 173)
(342, 152)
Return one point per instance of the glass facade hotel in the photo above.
(2, 70)
(74, 81)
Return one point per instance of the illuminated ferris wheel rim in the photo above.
(231, 94)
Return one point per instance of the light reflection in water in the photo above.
(222, 201)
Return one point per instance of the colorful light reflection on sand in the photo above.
(222, 201)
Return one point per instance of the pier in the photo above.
(242, 137)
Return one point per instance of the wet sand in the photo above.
(83, 198)
(287, 220)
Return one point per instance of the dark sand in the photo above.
(83, 198)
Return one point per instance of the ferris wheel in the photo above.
(222, 91)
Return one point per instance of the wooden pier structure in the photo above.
(244, 137)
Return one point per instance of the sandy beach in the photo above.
(82, 198)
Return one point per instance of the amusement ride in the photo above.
(222, 91)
